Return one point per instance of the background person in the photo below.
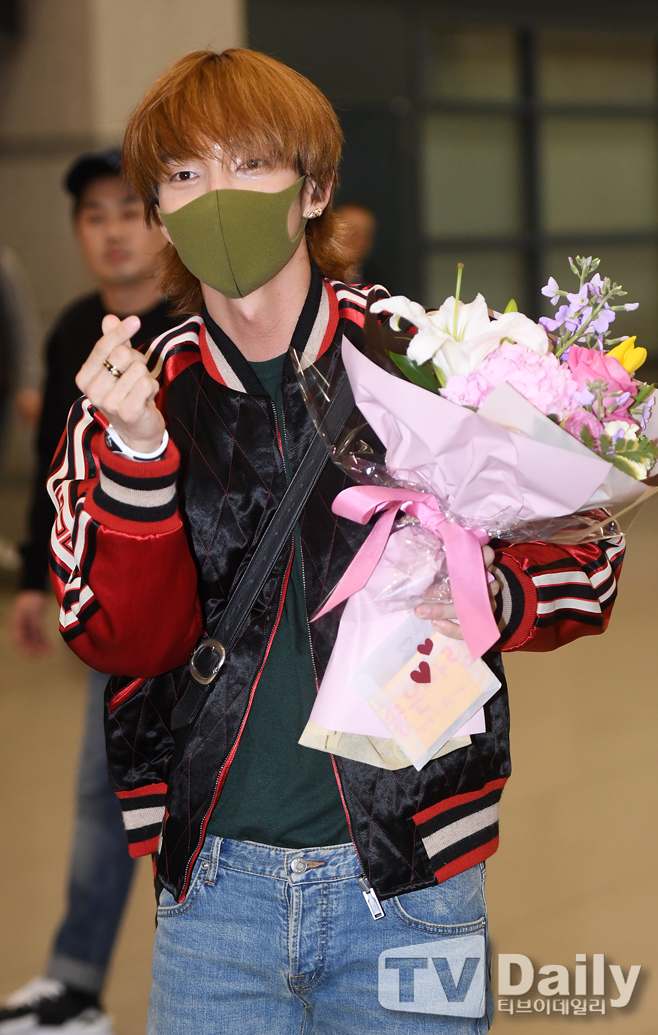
(21, 368)
(123, 254)
(361, 226)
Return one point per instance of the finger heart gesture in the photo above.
(116, 379)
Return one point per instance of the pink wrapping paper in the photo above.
(463, 549)
(363, 627)
(480, 471)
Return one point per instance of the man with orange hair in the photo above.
(296, 890)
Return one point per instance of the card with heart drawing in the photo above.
(424, 687)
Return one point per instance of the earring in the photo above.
(315, 214)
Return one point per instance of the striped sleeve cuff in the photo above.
(461, 831)
(143, 813)
(136, 496)
(515, 605)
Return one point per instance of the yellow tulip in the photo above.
(635, 359)
(630, 358)
(620, 350)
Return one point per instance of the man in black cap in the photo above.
(122, 254)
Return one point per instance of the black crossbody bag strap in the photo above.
(210, 654)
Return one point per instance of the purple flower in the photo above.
(583, 317)
(631, 305)
(578, 301)
(602, 322)
(551, 290)
(616, 435)
(549, 324)
(561, 319)
(647, 407)
(585, 397)
(595, 285)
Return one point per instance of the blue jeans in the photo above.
(101, 869)
(259, 948)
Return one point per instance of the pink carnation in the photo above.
(541, 379)
(580, 419)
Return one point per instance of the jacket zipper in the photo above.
(124, 694)
(317, 687)
(223, 772)
(369, 893)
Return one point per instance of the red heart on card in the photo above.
(422, 673)
(425, 648)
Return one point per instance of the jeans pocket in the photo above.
(456, 906)
(167, 904)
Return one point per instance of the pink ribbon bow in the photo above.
(463, 547)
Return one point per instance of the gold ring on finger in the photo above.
(114, 371)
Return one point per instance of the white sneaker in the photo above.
(90, 1022)
(45, 1005)
(19, 1015)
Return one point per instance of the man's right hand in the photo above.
(126, 401)
(27, 623)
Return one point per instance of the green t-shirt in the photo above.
(276, 792)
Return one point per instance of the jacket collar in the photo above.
(314, 330)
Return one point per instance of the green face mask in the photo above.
(235, 240)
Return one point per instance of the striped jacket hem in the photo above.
(461, 831)
(143, 811)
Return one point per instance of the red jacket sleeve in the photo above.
(552, 594)
(121, 565)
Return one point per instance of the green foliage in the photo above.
(643, 394)
(620, 463)
(424, 377)
(587, 438)
(511, 306)
(624, 453)
(441, 377)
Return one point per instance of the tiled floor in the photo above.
(575, 871)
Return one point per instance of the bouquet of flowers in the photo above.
(582, 379)
(479, 425)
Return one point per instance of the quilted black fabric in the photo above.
(231, 480)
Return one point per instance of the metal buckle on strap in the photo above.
(206, 660)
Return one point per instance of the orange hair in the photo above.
(244, 101)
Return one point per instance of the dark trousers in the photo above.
(101, 869)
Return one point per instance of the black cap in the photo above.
(91, 166)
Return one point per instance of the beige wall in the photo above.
(68, 85)
(44, 86)
(133, 42)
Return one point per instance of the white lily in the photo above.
(459, 346)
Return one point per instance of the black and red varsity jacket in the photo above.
(145, 554)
